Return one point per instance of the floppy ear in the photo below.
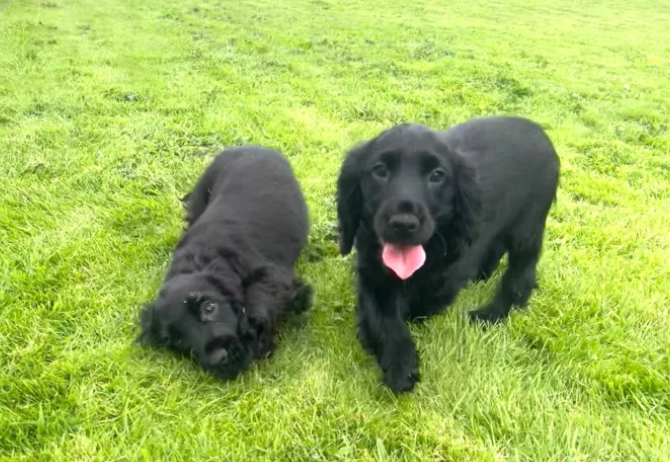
(349, 198)
(151, 333)
(467, 201)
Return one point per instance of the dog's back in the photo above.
(516, 163)
(250, 193)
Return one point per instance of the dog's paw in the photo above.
(402, 378)
(365, 343)
(302, 298)
(488, 315)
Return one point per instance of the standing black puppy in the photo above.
(429, 212)
(231, 281)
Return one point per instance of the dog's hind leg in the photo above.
(519, 279)
(196, 201)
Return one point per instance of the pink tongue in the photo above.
(404, 261)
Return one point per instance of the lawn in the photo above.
(110, 109)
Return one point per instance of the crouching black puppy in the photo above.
(231, 281)
(429, 212)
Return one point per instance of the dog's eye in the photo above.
(436, 176)
(208, 310)
(380, 171)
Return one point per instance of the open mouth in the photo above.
(403, 260)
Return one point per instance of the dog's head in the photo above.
(197, 314)
(407, 185)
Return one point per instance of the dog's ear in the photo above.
(151, 330)
(467, 200)
(350, 198)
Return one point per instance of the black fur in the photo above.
(468, 195)
(232, 280)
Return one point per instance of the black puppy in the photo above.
(431, 211)
(231, 281)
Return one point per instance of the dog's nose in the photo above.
(218, 357)
(405, 223)
(405, 207)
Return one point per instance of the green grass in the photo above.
(110, 109)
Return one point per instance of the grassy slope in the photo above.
(109, 111)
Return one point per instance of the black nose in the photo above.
(218, 356)
(404, 223)
(405, 207)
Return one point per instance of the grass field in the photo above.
(110, 109)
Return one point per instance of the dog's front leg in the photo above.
(269, 295)
(384, 332)
(261, 312)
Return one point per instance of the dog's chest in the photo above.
(428, 294)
